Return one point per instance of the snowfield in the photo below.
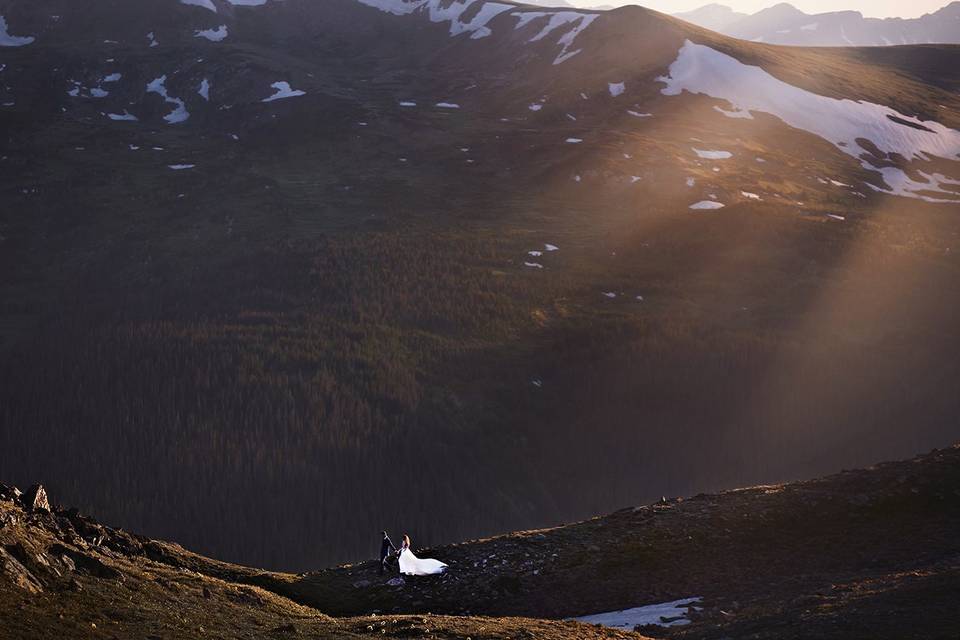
(699, 69)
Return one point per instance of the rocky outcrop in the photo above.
(35, 499)
(13, 571)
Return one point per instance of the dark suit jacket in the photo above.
(385, 547)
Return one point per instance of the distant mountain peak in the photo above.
(713, 16)
(781, 9)
(785, 24)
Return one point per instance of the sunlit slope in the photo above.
(289, 252)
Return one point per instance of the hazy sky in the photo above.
(871, 8)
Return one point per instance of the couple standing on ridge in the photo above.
(410, 564)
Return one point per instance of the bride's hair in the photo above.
(406, 539)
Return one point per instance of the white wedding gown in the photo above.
(411, 565)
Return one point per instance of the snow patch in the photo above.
(7, 40)
(667, 614)
(204, 89)
(574, 19)
(616, 88)
(846, 123)
(206, 4)
(706, 205)
(180, 113)
(213, 35)
(282, 91)
(126, 116)
(735, 113)
(476, 27)
(712, 155)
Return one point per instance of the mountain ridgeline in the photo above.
(275, 276)
(785, 24)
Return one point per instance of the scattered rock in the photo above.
(10, 494)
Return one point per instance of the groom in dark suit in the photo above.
(386, 547)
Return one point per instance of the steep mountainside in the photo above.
(304, 270)
(870, 553)
(785, 24)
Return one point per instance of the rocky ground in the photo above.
(868, 553)
(64, 576)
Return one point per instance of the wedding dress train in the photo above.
(411, 565)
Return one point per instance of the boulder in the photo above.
(35, 499)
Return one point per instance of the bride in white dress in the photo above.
(411, 565)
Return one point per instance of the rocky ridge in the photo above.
(863, 552)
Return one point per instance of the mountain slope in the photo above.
(787, 25)
(480, 262)
(863, 553)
